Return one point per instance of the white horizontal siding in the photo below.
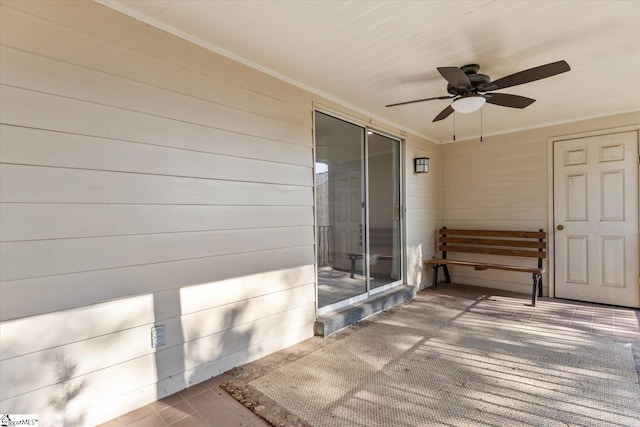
(43, 148)
(115, 380)
(143, 181)
(423, 213)
(26, 108)
(505, 188)
(105, 409)
(498, 200)
(34, 221)
(95, 62)
(92, 320)
(79, 289)
(132, 343)
(510, 213)
(36, 109)
(29, 184)
(62, 256)
(501, 181)
(158, 57)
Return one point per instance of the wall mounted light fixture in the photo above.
(421, 164)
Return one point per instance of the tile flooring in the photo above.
(204, 404)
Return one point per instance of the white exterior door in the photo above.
(596, 219)
(347, 218)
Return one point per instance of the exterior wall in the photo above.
(502, 183)
(147, 181)
(423, 213)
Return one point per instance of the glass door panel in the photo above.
(340, 211)
(383, 161)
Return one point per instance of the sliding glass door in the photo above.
(383, 160)
(358, 212)
(340, 196)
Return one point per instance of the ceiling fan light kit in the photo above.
(468, 104)
(470, 90)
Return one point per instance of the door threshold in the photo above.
(330, 323)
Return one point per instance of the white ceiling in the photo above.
(367, 54)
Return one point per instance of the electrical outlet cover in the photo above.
(158, 335)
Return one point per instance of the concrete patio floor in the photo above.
(206, 404)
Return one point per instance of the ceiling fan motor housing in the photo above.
(478, 81)
(470, 68)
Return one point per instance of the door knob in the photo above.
(560, 227)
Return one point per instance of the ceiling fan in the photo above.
(470, 90)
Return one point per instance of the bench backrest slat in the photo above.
(493, 251)
(495, 242)
(494, 233)
(526, 244)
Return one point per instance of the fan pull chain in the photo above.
(481, 124)
(454, 125)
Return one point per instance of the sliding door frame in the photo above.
(366, 232)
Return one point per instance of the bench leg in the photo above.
(446, 273)
(447, 278)
(353, 267)
(435, 275)
(540, 285)
(537, 288)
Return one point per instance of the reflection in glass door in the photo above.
(383, 160)
(358, 212)
(340, 211)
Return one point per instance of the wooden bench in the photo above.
(525, 244)
(353, 257)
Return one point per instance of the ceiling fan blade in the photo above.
(444, 114)
(507, 100)
(418, 100)
(530, 75)
(455, 76)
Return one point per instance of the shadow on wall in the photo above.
(61, 385)
(66, 390)
(210, 332)
(101, 364)
(250, 328)
(234, 338)
(196, 350)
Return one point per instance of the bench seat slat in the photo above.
(494, 233)
(494, 242)
(493, 251)
(486, 266)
